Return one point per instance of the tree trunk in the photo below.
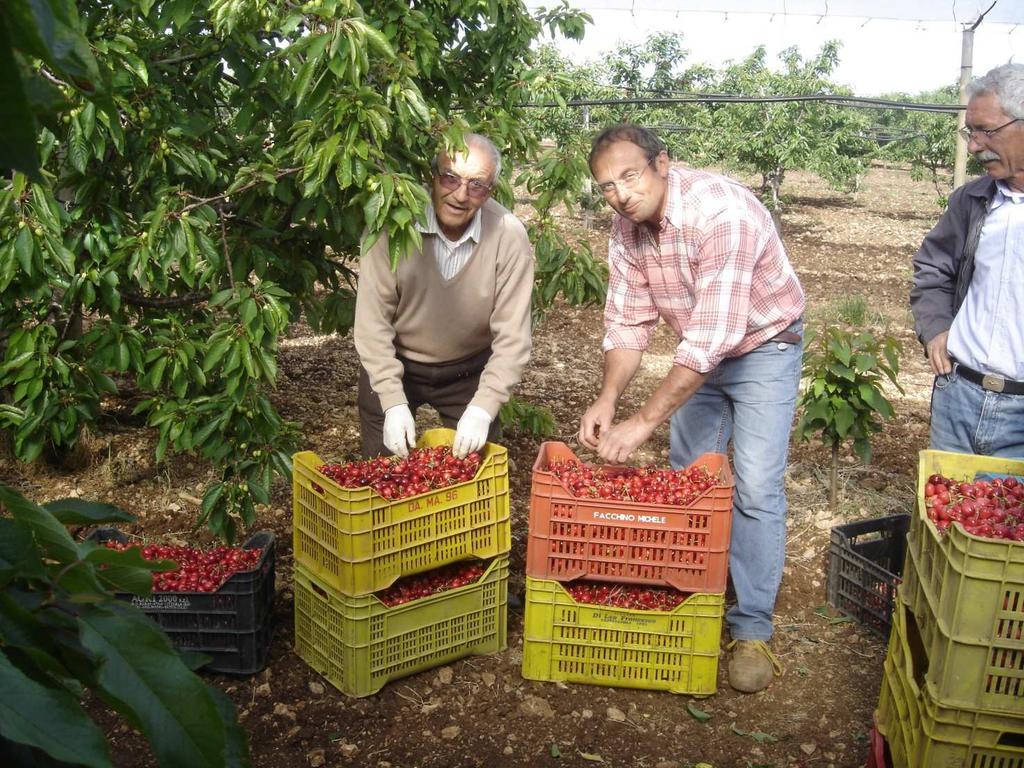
(775, 187)
(833, 478)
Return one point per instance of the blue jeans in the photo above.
(750, 399)
(969, 419)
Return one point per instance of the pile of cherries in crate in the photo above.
(410, 588)
(199, 570)
(646, 485)
(424, 470)
(990, 508)
(631, 596)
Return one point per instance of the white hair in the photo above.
(478, 141)
(1006, 83)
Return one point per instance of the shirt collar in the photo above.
(431, 226)
(1006, 195)
(674, 204)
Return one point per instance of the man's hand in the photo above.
(596, 421)
(618, 443)
(399, 430)
(938, 356)
(471, 433)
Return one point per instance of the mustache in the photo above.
(985, 156)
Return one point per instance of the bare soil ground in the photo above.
(480, 711)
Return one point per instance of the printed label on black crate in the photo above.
(163, 603)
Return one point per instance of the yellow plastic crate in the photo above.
(967, 595)
(675, 651)
(357, 542)
(980, 669)
(922, 733)
(359, 644)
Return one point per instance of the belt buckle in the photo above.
(993, 383)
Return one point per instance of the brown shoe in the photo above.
(751, 665)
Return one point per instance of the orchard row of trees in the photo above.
(769, 138)
(192, 176)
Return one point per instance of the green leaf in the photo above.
(371, 210)
(17, 126)
(210, 498)
(52, 538)
(216, 352)
(126, 570)
(19, 555)
(81, 512)
(48, 718)
(156, 373)
(142, 674)
(844, 418)
(24, 247)
(698, 714)
(862, 447)
(78, 148)
(260, 493)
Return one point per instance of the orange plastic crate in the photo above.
(611, 540)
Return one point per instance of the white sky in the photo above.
(878, 55)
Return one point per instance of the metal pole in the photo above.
(587, 215)
(966, 57)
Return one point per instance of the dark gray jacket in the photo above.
(944, 265)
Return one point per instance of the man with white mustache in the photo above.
(968, 292)
(448, 327)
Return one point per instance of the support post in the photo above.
(966, 59)
(588, 216)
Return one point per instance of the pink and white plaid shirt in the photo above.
(719, 276)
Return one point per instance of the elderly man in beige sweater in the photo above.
(450, 328)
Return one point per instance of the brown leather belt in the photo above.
(991, 382)
(786, 337)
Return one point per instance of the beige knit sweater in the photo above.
(415, 313)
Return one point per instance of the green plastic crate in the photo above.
(359, 644)
(675, 651)
(983, 669)
(923, 733)
(357, 542)
(967, 595)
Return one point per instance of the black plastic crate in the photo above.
(865, 563)
(235, 653)
(231, 625)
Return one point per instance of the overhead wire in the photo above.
(861, 102)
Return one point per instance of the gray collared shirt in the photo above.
(988, 331)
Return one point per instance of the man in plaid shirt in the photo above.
(701, 252)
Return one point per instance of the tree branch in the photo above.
(165, 302)
(224, 195)
(224, 245)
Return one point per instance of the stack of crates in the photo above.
(350, 543)
(953, 681)
(231, 627)
(625, 542)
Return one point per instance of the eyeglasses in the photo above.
(967, 133)
(474, 187)
(627, 181)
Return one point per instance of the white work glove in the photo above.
(399, 430)
(471, 434)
